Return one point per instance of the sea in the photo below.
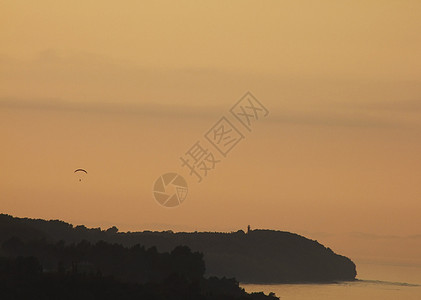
(374, 281)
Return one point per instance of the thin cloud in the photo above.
(397, 106)
(294, 117)
(90, 83)
(148, 109)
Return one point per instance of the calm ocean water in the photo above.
(376, 281)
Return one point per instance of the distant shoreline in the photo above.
(258, 256)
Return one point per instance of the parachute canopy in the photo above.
(81, 173)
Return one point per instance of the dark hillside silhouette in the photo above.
(23, 278)
(134, 264)
(259, 256)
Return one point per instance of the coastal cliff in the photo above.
(258, 256)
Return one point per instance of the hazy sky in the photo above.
(124, 89)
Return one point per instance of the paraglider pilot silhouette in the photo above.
(80, 172)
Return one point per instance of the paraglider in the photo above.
(80, 171)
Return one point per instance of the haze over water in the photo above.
(385, 282)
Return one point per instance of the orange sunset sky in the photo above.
(123, 89)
